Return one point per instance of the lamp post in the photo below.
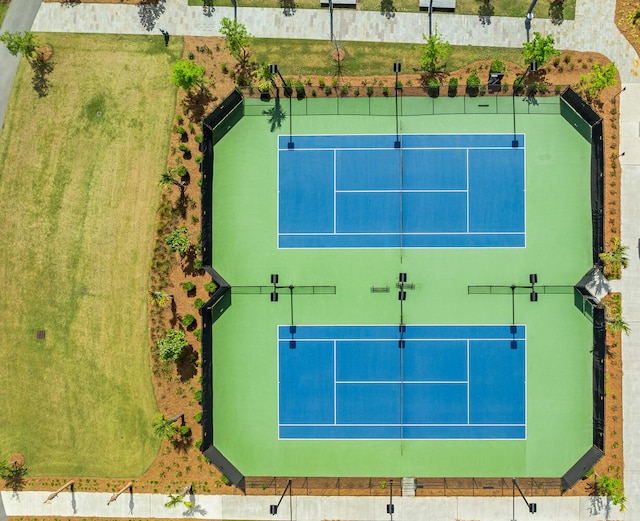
(273, 509)
(430, 12)
(397, 67)
(527, 26)
(390, 507)
(288, 92)
(533, 508)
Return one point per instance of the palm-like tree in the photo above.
(168, 178)
(617, 257)
(160, 298)
(618, 325)
(164, 428)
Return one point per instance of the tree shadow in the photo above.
(186, 367)
(149, 12)
(276, 115)
(387, 9)
(70, 3)
(196, 103)
(556, 11)
(15, 478)
(288, 7)
(485, 12)
(41, 70)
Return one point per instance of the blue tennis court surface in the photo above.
(441, 190)
(448, 382)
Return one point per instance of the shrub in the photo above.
(497, 66)
(198, 334)
(225, 480)
(327, 90)
(188, 319)
(190, 55)
(198, 158)
(344, 90)
(179, 119)
(197, 396)
(356, 92)
(313, 93)
(567, 58)
(178, 240)
(198, 138)
(198, 444)
(224, 68)
(183, 147)
(473, 81)
(181, 170)
(210, 287)
(188, 286)
(185, 431)
(321, 83)
(453, 87)
(179, 130)
(369, 91)
(197, 264)
(613, 489)
(299, 89)
(172, 346)
(198, 303)
(385, 91)
(198, 416)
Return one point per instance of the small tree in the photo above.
(613, 489)
(237, 38)
(178, 240)
(618, 325)
(168, 178)
(540, 49)
(160, 298)
(18, 42)
(187, 74)
(599, 79)
(172, 346)
(13, 475)
(434, 53)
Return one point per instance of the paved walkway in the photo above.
(592, 30)
(20, 17)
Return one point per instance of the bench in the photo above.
(438, 5)
(339, 3)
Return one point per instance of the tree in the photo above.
(172, 346)
(434, 53)
(187, 74)
(237, 38)
(160, 298)
(164, 428)
(616, 258)
(598, 79)
(611, 488)
(178, 240)
(540, 49)
(13, 475)
(618, 325)
(168, 178)
(18, 42)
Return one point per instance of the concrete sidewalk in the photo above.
(311, 508)
(592, 30)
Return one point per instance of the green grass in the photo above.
(559, 337)
(79, 195)
(3, 11)
(517, 8)
(362, 58)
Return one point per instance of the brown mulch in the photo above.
(175, 387)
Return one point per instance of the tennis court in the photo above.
(445, 382)
(486, 384)
(413, 191)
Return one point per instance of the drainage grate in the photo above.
(40, 334)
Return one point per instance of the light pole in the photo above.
(390, 507)
(430, 12)
(397, 66)
(533, 508)
(273, 509)
(288, 92)
(527, 26)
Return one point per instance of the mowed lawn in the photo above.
(79, 192)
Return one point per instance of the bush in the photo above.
(198, 138)
(197, 396)
(172, 346)
(183, 147)
(197, 264)
(198, 444)
(433, 87)
(185, 431)
(198, 334)
(321, 83)
(181, 170)
(178, 240)
(225, 480)
(198, 303)
(473, 81)
(327, 90)
(188, 286)
(453, 87)
(198, 416)
(188, 319)
(210, 287)
(369, 91)
(497, 66)
(385, 91)
(199, 158)
(179, 130)
(299, 89)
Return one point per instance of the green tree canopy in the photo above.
(598, 79)
(237, 38)
(434, 53)
(18, 42)
(172, 345)
(540, 50)
(187, 74)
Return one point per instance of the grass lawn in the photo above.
(3, 11)
(362, 58)
(516, 8)
(79, 197)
